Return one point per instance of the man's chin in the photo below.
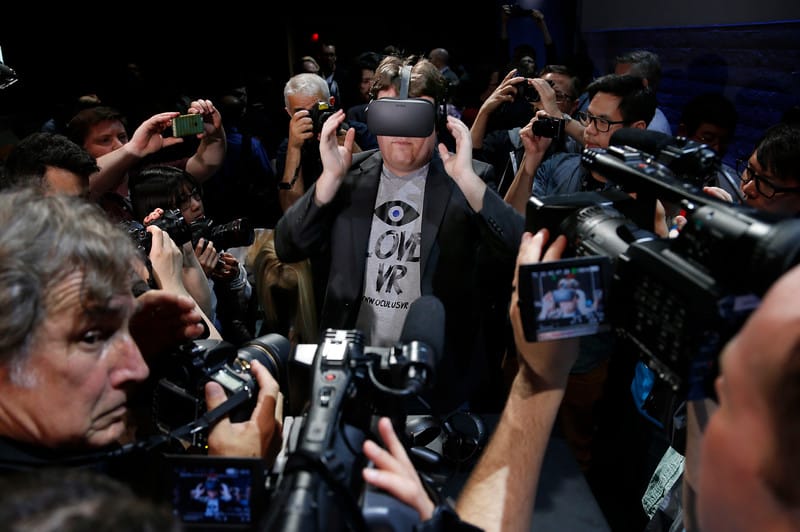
(108, 431)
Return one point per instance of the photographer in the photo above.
(554, 92)
(70, 358)
(616, 102)
(157, 189)
(308, 100)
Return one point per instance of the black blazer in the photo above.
(467, 260)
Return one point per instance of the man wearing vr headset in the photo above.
(408, 220)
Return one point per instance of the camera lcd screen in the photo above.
(185, 125)
(564, 298)
(213, 492)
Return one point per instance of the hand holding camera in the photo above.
(227, 268)
(516, 11)
(547, 126)
(531, 90)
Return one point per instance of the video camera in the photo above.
(676, 301)
(316, 483)
(320, 486)
(233, 234)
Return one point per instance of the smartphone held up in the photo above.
(186, 125)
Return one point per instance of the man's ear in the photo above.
(289, 112)
(332, 101)
(639, 124)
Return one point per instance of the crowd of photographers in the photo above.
(112, 273)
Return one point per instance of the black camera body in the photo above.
(171, 222)
(236, 233)
(350, 385)
(319, 113)
(549, 127)
(528, 92)
(181, 375)
(676, 301)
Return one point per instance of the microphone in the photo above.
(422, 341)
(7, 75)
(652, 142)
(691, 161)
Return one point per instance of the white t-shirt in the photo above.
(392, 274)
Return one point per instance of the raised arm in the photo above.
(459, 165)
(146, 139)
(211, 151)
(521, 187)
(504, 93)
(500, 492)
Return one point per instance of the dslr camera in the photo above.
(233, 234)
(319, 113)
(528, 92)
(178, 394)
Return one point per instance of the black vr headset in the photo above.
(402, 116)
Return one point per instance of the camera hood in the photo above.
(401, 117)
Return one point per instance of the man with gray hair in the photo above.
(74, 340)
(308, 101)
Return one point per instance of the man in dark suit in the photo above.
(406, 221)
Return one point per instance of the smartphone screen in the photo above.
(185, 125)
(213, 492)
(564, 298)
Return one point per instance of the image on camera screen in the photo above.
(219, 491)
(565, 298)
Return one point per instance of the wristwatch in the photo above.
(283, 185)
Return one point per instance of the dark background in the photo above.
(750, 53)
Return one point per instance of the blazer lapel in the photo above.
(438, 187)
(362, 205)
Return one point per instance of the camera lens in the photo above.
(272, 351)
(233, 234)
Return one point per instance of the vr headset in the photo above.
(402, 116)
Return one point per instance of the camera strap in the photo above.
(212, 416)
(405, 80)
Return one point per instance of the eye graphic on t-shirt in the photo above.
(396, 213)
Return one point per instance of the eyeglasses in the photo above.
(184, 200)
(602, 124)
(764, 186)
